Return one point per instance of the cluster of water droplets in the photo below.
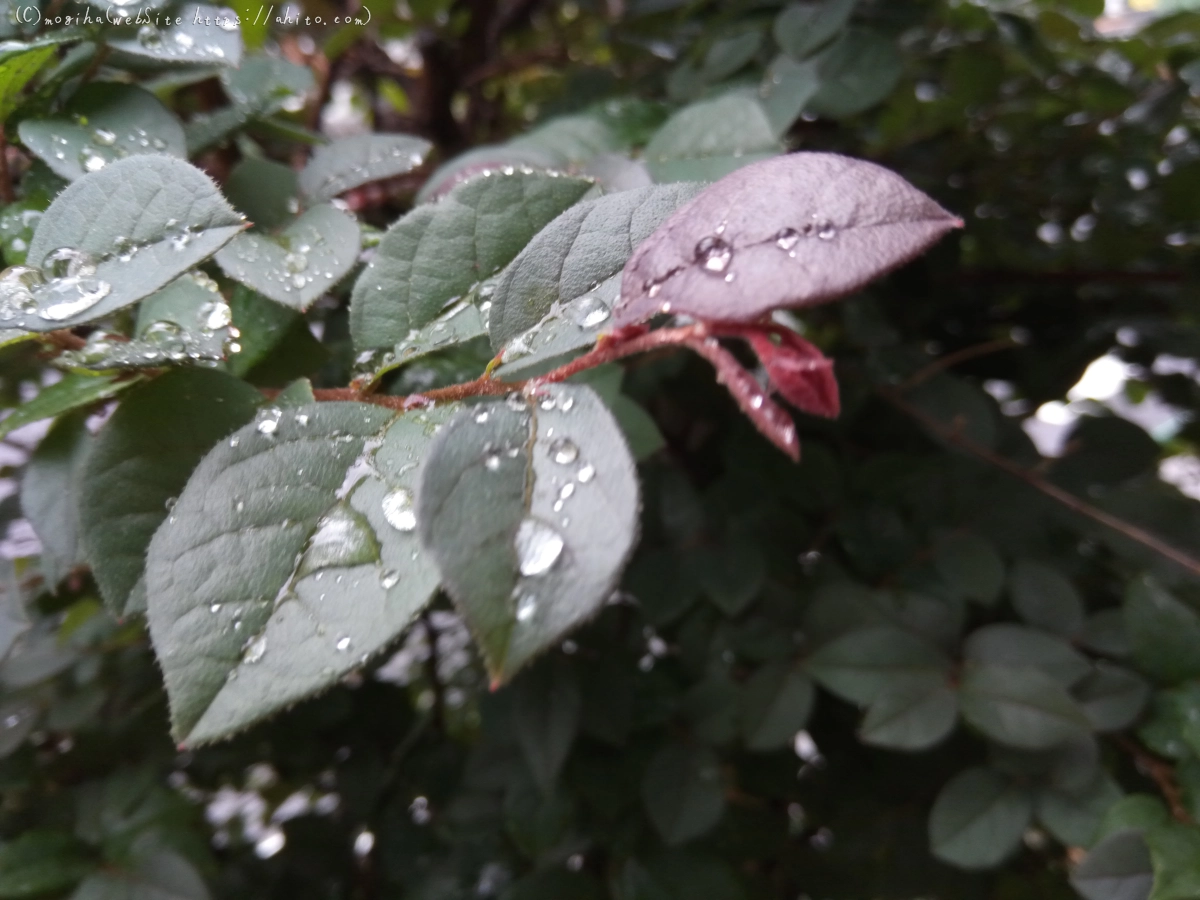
(379, 163)
(177, 42)
(454, 325)
(581, 317)
(17, 226)
(295, 270)
(64, 287)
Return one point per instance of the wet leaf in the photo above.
(1112, 697)
(353, 161)
(302, 262)
(216, 42)
(72, 392)
(17, 67)
(786, 88)
(248, 610)
(49, 488)
(1164, 632)
(546, 711)
(433, 256)
(978, 819)
(116, 236)
(711, 138)
(265, 191)
(789, 232)
(141, 461)
(103, 122)
(575, 254)
(529, 508)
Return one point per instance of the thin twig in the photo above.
(953, 359)
(1129, 530)
(1161, 772)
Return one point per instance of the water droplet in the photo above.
(481, 417)
(568, 491)
(268, 422)
(149, 37)
(825, 230)
(220, 316)
(104, 137)
(714, 253)
(564, 451)
(389, 579)
(588, 311)
(398, 510)
(586, 474)
(254, 650)
(526, 607)
(215, 608)
(12, 721)
(343, 644)
(787, 238)
(538, 547)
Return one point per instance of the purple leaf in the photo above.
(791, 231)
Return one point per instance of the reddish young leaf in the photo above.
(771, 419)
(792, 231)
(798, 371)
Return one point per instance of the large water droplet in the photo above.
(526, 607)
(66, 262)
(268, 422)
(587, 311)
(343, 644)
(398, 510)
(564, 451)
(149, 37)
(104, 137)
(254, 650)
(91, 159)
(714, 253)
(343, 538)
(538, 547)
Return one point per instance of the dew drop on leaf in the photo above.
(398, 510)
(564, 451)
(586, 473)
(526, 607)
(538, 547)
(714, 253)
(254, 650)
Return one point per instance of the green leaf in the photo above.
(49, 487)
(1022, 708)
(157, 875)
(103, 122)
(265, 191)
(978, 818)
(529, 507)
(139, 464)
(709, 139)
(458, 324)
(18, 717)
(361, 159)
(803, 28)
(480, 160)
(39, 862)
(114, 237)
(574, 253)
(72, 392)
(1175, 851)
(1118, 868)
(302, 262)
(1045, 599)
(728, 54)
(910, 718)
(259, 87)
(731, 574)
(262, 325)
(546, 711)
(786, 88)
(564, 331)
(186, 321)
(776, 703)
(857, 72)
(1139, 812)
(682, 792)
(207, 35)
(1020, 647)
(712, 708)
(258, 586)
(1164, 632)
(434, 255)
(862, 665)
(570, 140)
(1112, 697)
(971, 567)
(17, 67)
(1074, 817)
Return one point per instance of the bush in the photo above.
(447, 405)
